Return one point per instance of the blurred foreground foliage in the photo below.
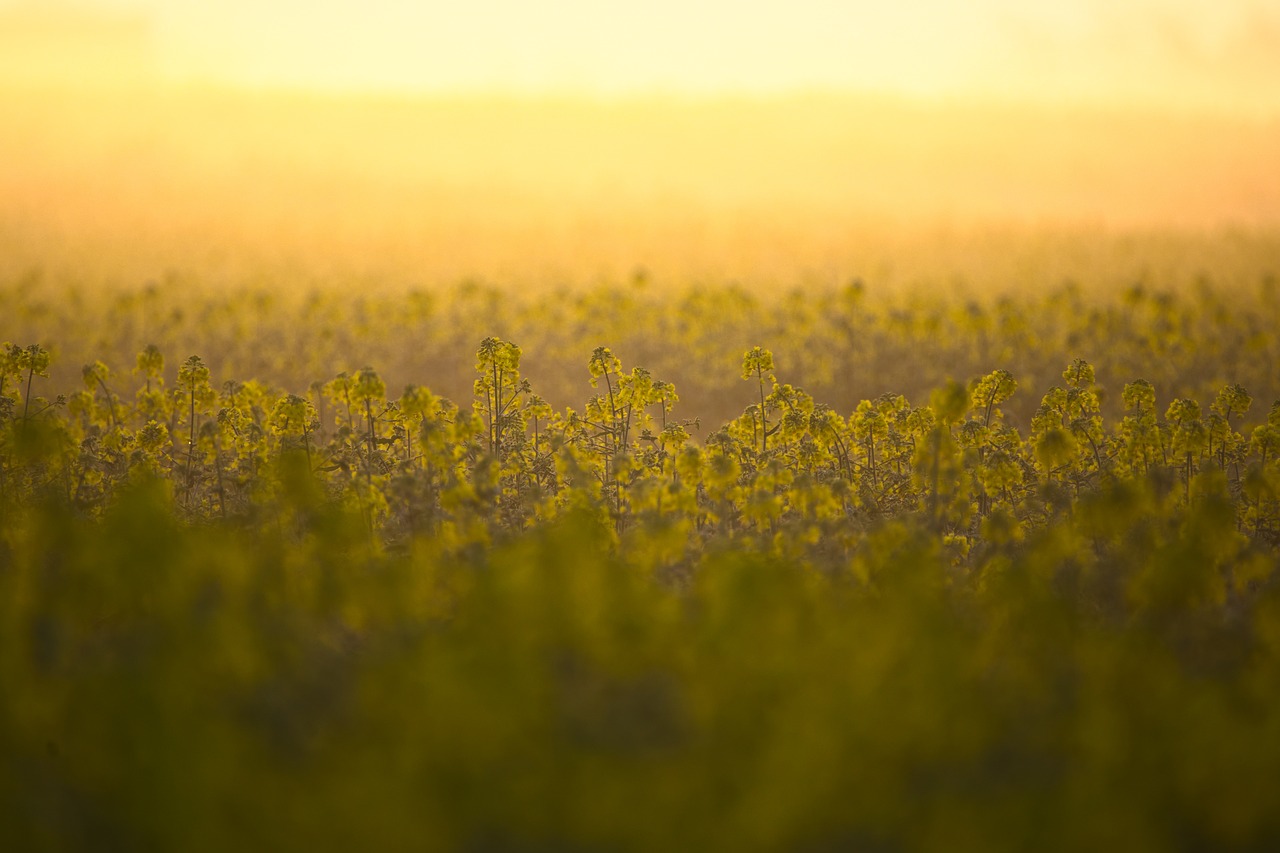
(234, 616)
(1107, 682)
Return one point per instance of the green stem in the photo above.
(27, 402)
(191, 447)
(764, 423)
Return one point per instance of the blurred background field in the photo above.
(876, 243)
(387, 186)
(841, 344)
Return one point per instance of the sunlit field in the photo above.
(689, 471)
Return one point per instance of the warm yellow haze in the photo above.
(1172, 53)
(432, 190)
(574, 141)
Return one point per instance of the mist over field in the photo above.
(599, 426)
(768, 190)
(409, 146)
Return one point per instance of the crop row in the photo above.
(789, 470)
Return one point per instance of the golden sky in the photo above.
(1183, 54)
(844, 124)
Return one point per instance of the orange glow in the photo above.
(514, 189)
(518, 142)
